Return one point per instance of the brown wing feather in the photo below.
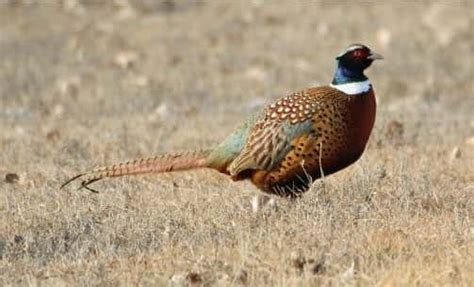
(288, 118)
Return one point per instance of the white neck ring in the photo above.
(353, 88)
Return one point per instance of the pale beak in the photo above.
(374, 56)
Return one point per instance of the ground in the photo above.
(86, 83)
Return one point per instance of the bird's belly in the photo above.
(295, 176)
(334, 162)
(302, 166)
(311, 159)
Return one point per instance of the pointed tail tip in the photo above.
(70, 180)
(84, 184)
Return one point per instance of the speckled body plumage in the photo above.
(289, 144)
(282, 152)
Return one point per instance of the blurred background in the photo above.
(92, 82)
(148, 76)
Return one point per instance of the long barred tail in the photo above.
(157, 164)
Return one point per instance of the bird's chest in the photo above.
(361, 118)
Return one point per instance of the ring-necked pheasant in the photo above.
(282, 149)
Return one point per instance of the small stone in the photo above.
(256, 73)
(303, 65)
(470, 141)
(298, 261)
(52, 135)
(74, 6)
(18, 239)
(68, 86)
(20, 131)
(258, 2)
(318, 268)
(194, 279)
(322, 29)
(125, 10)
(222, 279)
(177, 280)
(455, 153)
(126, 59)
(381, 172)
(384, 37)
(248, 18)
(139, 81)
(58, 110)
(242, 276)
(12, 178)
(161, 112)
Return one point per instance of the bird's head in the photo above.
(352, 62)
(357, 57)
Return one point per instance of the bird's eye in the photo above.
(358, 53)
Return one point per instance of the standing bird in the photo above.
(289, 144)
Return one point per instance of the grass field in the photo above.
(86, 83)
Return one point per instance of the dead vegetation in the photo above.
(85, 83)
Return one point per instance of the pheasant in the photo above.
(290, 143)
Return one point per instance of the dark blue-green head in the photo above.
(352, 62)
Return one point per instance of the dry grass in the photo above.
(84, 84)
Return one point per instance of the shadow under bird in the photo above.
(290, 143)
